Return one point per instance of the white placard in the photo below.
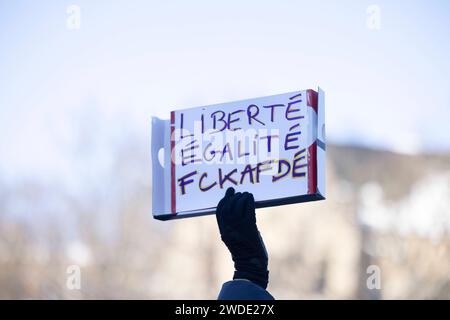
(273, 147)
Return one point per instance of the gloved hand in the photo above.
(235, 215)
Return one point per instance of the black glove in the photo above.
(235, 215)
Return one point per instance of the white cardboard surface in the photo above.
(267, 192)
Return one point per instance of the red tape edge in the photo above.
(311, 101)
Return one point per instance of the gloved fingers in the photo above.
(241, 205)
(225, 211)
(228, 194)
(234, 209)
(230, 213)
(250, 204)
(251, 201)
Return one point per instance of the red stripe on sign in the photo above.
(312, 168)
(311, 99)
(172, 163)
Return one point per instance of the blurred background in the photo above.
(80, 80)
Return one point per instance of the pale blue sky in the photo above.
(131, 60)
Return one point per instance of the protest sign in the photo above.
(273, 147)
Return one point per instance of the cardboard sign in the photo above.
(273, 147)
